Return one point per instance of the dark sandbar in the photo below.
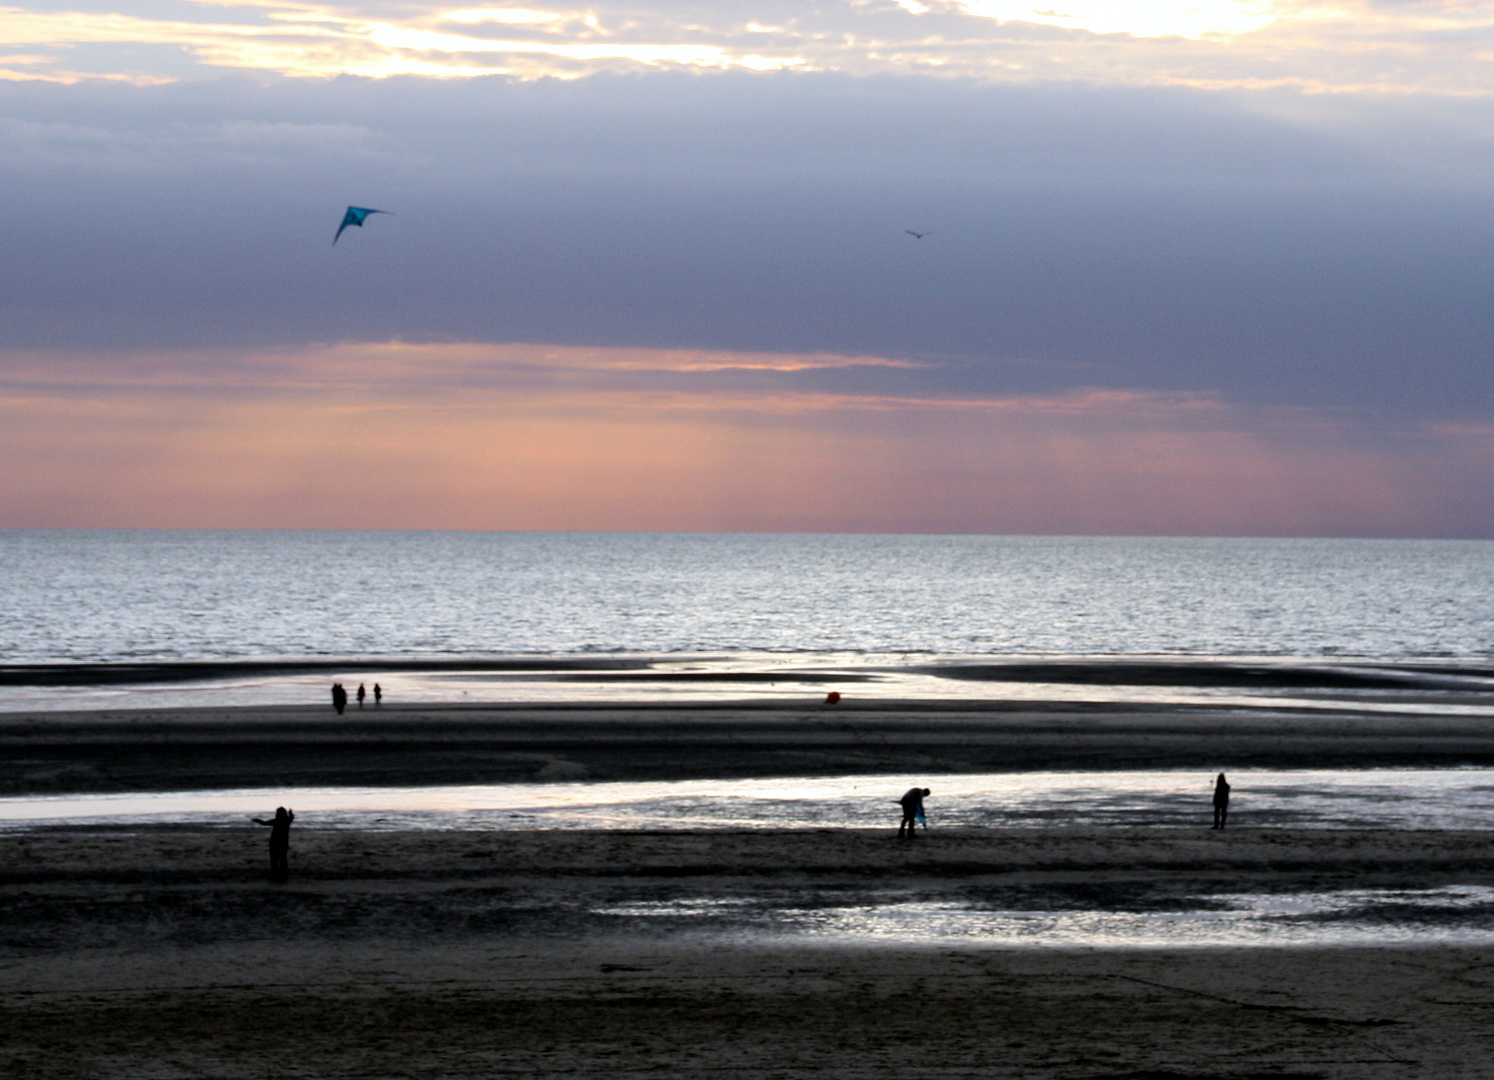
(409, 745)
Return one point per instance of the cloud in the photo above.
(415, 371)
(1351, 46)
(1144, 18)
(1269, 249)
(1213, 266)
(471, 436)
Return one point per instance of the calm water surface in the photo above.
(798, 607)
(103, 596)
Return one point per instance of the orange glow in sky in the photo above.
(528, 437)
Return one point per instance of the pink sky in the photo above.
(528, 437)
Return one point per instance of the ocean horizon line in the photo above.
(1396, 538)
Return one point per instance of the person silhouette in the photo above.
(1221, 801)
(280, 839)
(362, 693)
(912, 802)
(378, 694)
(339, 698)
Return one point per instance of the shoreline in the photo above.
(727, 667)
(179, 749)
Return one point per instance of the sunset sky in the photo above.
(1219, 267)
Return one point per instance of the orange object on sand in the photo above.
(832, 698)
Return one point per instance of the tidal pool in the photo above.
(1329, 799)
(1462, 914)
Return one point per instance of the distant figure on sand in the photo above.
(912, 802)
(362, 693)
(1221, 801)
(339, 698)
(378, 694)
(280, 842)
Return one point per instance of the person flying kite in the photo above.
(356, 215)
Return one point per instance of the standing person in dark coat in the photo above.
(362, 693)
(912, 802)
(378, 694)
(339, 698)
(1221, 801)
(280, 842)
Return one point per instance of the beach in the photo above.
(138, 952)
(1056, 950)
(304, 746)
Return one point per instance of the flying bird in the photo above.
(910, 232)
(356, 215)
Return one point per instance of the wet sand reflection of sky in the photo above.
(1462, 914)
(793, 680)
(1115, 906)
(1342, 799)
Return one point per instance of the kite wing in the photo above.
(356, 215)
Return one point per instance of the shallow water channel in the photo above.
(1342, 799)
(1369, 799)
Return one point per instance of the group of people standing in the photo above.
(340, 696)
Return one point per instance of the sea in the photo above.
(197, 617)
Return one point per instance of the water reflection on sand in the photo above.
(1119, 859)
(1462, 914)
(1361, 799)
(1444, 687)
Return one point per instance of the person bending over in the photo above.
(912, 803)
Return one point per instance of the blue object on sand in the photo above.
(921, 819)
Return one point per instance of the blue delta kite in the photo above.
(356, 215)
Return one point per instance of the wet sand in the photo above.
(403, 745)
(1277, 672)
(163, 953)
